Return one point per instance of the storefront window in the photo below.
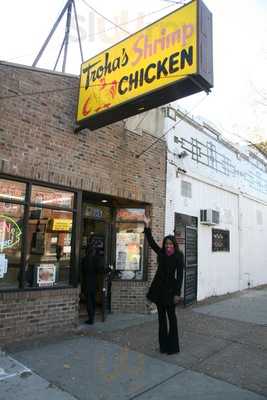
(130, 250)
(10, 190)
(51, 197)
(49, 247)
(11, 217)
(46, 257)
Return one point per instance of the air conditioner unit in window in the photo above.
(209, 217)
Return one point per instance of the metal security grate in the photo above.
(220, 240)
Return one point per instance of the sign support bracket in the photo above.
(66, 9)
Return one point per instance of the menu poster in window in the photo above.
(67, 250)
(46, 275)
(54, 239)
(60, 224)
(67, 239)
(3, 265)
(128, 251)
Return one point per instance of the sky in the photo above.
(236, 103)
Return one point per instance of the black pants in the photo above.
(91, 304)
(168, 338)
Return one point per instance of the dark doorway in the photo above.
(186, 235)
(97, 234)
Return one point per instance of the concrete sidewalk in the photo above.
(249, 306)
(221, 357)
(18, 382)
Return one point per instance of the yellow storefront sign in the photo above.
(150, 60)
(61, 224)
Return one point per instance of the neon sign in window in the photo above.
(10, 232)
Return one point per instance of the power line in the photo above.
(107, 19)
(174, 2)
(172, 127)
(104, 31)
(72, 87)
(37, 93)
(132, 20)
(48, 91)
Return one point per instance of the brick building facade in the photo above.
(40, 153)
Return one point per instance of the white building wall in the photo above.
(221, 179)
(253, 242)
(218, 273)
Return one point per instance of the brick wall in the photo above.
(128, 296)
(37, 141)
(36, 313)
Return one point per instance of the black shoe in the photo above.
(89, 322)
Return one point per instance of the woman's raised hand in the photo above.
(146, 221)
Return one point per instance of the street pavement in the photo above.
(223, 356)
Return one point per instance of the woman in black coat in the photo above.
(165, 288)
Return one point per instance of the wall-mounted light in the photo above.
(104, 201)
(183, 154)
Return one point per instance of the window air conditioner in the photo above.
(209, 217)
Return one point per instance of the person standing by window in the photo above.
(165, 288)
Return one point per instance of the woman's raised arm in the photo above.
(154, 246)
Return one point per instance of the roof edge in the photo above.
(36, 69)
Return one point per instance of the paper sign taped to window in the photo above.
(3, 265)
